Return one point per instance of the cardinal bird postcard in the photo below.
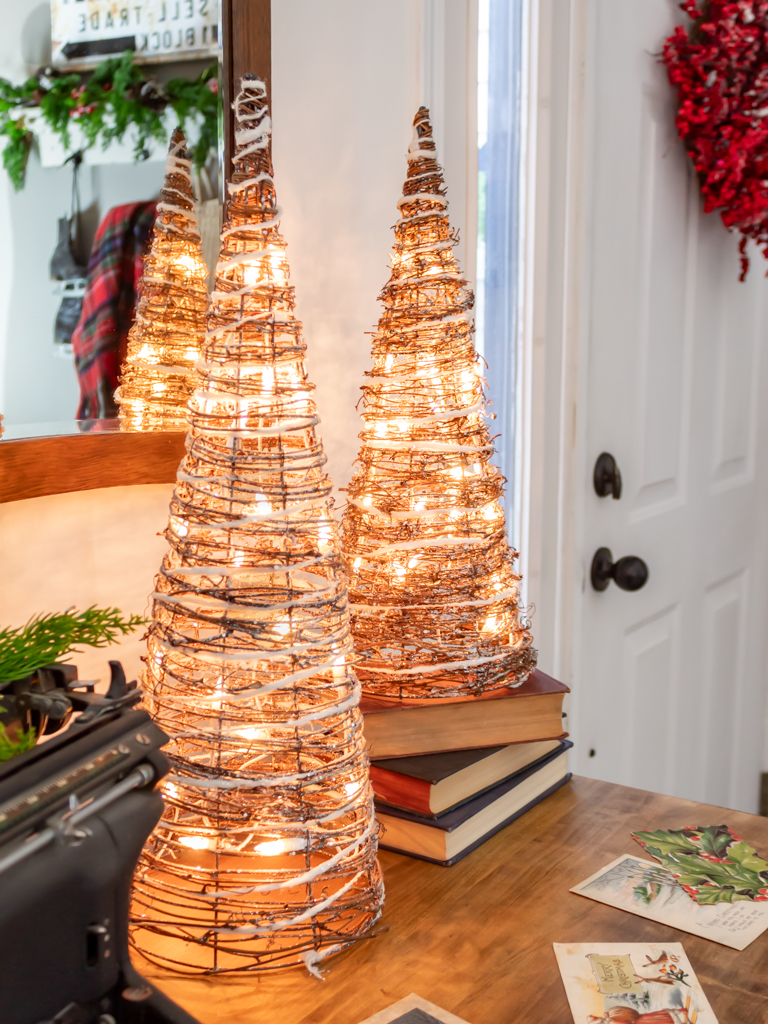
(631, 983)
(645, 888)
(710, 862)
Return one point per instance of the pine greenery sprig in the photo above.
(9, 747)
(116, 95)
(48, 638)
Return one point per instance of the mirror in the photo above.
(66, 188)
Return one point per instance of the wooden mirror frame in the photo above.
(33, 467)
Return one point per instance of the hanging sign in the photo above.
(85, 32)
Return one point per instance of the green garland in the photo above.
(116, 96)
(47, 638)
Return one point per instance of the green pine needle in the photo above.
(10, 747)
(48, 638)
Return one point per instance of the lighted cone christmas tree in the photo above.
(266, 853)
(164, 342)
(433, 589)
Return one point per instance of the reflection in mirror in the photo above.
(77, 203)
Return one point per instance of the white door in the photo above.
(670, 679)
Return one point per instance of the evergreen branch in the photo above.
(48, 638)
(105, 104)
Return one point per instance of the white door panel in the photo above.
(670, 686)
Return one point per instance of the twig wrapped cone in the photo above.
(164, 343)
(433, 588)
(266, 854)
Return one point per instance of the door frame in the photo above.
(552, 341)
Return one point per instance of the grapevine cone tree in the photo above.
(266, 853)
(433, 589)
(164, 342)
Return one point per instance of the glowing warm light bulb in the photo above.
(340, 668)
(251, 274)
(271, 848)
(357, 563)
(367, 500)
(179, 527)
(350, 788)
(388, 362)
(196, 842)
(490, 624)
(187, 264)
(457, 472)
(252, 733)
(282, 628)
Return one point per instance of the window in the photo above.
(499, 81)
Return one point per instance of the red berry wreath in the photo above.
(720, 68)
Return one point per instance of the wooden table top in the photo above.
(476, 938)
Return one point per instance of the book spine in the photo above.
(412, 794)
(483, 839)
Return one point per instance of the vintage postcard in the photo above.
(645, 888)
(414, 1010)
(631, 983)
(711, 863)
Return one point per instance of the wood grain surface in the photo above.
(36, 466)
(476, 938)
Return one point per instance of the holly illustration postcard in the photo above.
(631, 983)
(711, 863)
(645, 888)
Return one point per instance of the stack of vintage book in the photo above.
(449, 773)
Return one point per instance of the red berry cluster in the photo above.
(720, 69)
(81, 109)
(713, 859)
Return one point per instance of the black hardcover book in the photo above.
(433, 784)
(447, 838)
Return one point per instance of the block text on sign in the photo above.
(87, 31)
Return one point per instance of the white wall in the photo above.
(347, 79)
(91, 547)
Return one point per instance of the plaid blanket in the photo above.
(100, 339)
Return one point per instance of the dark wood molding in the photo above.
(36, 466)
(246, 28)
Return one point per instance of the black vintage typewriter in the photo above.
(75, 812)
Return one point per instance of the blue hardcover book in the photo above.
(447, 838)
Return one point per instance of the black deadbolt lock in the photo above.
(607, 477)
(629, 573)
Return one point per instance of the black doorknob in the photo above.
(607, 476)
(629, 573)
